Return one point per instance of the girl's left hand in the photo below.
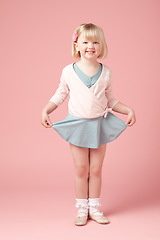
(131, 118)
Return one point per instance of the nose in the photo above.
(90, 45)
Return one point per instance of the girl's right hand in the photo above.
(45, 121)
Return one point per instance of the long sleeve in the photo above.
(61, 92)
(109, 93)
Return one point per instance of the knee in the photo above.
(81, 171)
(95, 171)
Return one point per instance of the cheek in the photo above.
(100, 49)
(83, 49)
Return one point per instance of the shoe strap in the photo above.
(97, 211)
(83, 212)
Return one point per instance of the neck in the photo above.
(88, 62)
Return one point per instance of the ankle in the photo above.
(82, 205)
(93, 204)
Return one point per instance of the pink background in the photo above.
(36, 167)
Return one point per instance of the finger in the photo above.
(48, 124)
(128, 121)
(131, 123)
(43, 124)
(48, 121)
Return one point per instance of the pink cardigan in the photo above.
(85, 102)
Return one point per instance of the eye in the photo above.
(85, 42)
(96, 43)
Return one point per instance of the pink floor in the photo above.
(46, 215)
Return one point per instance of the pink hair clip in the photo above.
(75, 36)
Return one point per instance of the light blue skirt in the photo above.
(90, 133)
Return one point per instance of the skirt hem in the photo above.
(90, 133)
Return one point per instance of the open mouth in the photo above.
(90, 51)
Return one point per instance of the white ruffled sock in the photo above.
(93, 204)
(82, 205)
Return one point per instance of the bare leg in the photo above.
(81, 164)
(95, 178)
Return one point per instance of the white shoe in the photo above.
(99, 218)
(81, 220)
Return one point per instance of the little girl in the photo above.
(90, 123)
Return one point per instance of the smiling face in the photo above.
(88, 48)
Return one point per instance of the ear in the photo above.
(77, 47)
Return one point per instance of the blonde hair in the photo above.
(90, 31)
